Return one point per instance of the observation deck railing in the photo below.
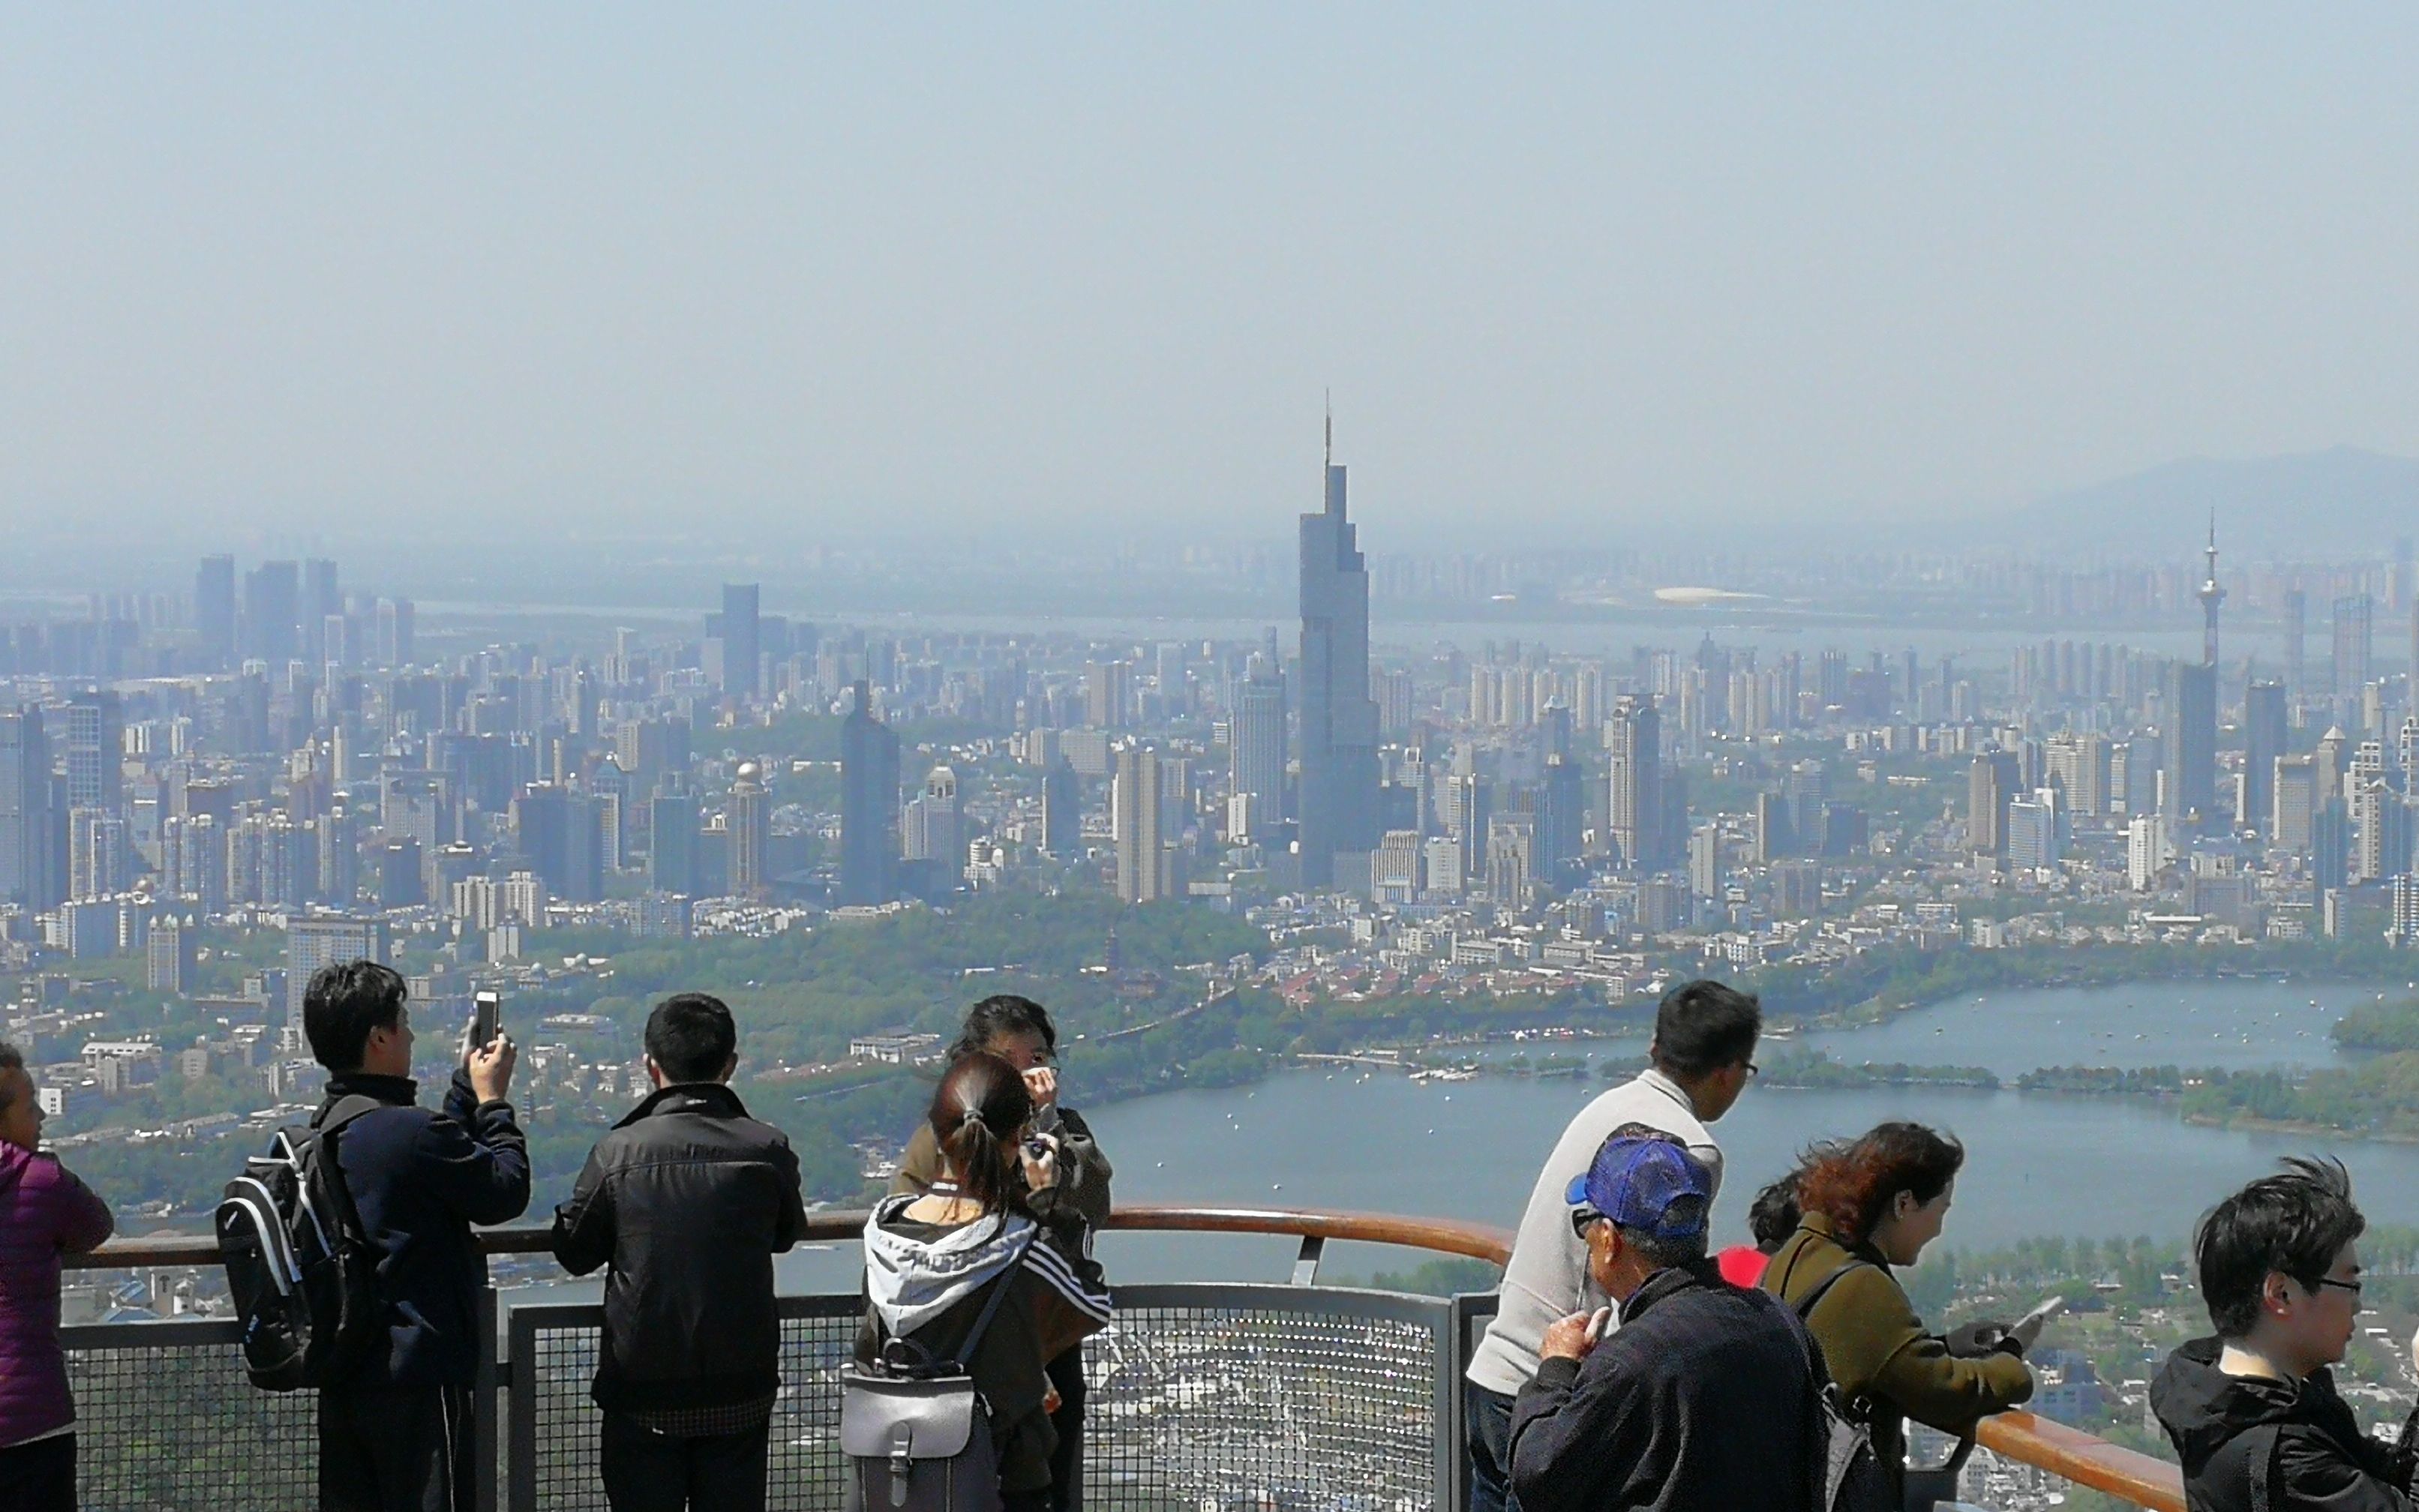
(1204, 1394)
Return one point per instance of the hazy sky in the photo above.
(1066, 270)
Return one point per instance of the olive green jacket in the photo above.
(1878, 1349)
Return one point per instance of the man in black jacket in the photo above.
(2253, 1412)
(688, 1198)
(397, 1438)
(1705, 1400)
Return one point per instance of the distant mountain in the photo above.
(2341, 500)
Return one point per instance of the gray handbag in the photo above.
(914, 1429)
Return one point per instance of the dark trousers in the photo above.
(649, 1472)
(1066, 1461)
(396, 1449)
(38, 1476)
(1488, 1416)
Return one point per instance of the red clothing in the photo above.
(1742, 1266)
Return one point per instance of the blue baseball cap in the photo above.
(1635, 1182)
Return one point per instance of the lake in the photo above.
(2036, 1165)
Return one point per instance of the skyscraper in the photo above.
(1255, 741)
(24, 810)
(214, 612)
(1134, 815)
(742, 631)
(933, 829)
(868, 805)
(1062, 809)
(2297, 621)
(271, 611)
(2188, 746)
(1339, 719)
(1634, 809)
(322, 600)
(2264, 742)
(2355, 627)
(751, 831)
(324, 941)
(96, 749)
(1991, 786)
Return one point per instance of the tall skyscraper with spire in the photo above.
(1339, 719)
(2189, 746)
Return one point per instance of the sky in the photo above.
(1046, 272)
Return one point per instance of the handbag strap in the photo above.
(999, 1291)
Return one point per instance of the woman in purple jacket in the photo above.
(44, 1212)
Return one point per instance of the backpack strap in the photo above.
(1000, 1288)
(1823, 1289)
(344, 1111)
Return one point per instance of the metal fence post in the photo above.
(483, 1409)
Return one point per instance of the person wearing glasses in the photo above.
(1869, 1205)
(1701, 1058)
(2253, 1412)
(1019, 1031)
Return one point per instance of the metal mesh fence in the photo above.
(165, 1421)
(1258, 1397)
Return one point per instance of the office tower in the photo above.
(741, 631)
(558, 835)
(402, 875)
(395, 632)
(1062, 809)
(214, 612)
(2331, 846)
(2263, 744)
(2036, 832)
(322, 601)
(2334, 756)
(1774, 838)
(1338, 811)
(2373, 807)
(2080, 767)
(2354, 636)
(671, 843)
(1108, 695)
(1634, 801)
(2294, 802)
(750, 822)
(1561, 815)
(24, 810)
(869, 809)
(168, 956)
(1255, 741)
(1705, 861)
(1511, 859)
(1133, 810)
(101, 859)
(272, 594)
(2188, 746)
(932, 828)
(1473, 806)
(325, 941)
(95, 752)
(1398, 867)
(1991, 784)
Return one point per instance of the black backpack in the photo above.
(1849, 1474)
(300, 1269)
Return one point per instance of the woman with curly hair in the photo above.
(1869, 1205)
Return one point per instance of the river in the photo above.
(2036, 1165)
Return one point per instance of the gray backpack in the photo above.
(914, 1429)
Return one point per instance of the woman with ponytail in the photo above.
(933, 1262)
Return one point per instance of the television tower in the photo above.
(2211, 596)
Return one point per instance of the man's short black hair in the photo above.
(343, 1004)
(1774, 1214)
(691, 1037)
(1003, 1014)
(1704, 1025)
(2294, 1223)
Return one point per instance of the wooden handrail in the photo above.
(2065, 1452)
(2077, 1457)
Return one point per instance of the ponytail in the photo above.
(978, 1113)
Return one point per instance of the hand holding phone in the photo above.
(2027, 1331)
(486, 1020)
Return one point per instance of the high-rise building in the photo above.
(932, 828)
(1062, 809)
(1991, 784)
(2297, 623)
(322, 601)
(272, 594)
(324, 941)
(25, 844)
(2292, 802)
(740, 626)
(671, 843)
(2147, 850)
(2079, 767)
(1511, 859)
(1134, 815)
(2036, 832)
(2263, 744)
(96, 753)
(214, 612)
(1634, 801)
(751, 830)
(2405, 928)
(1705, 861)
(869, 809)
(101, 858)
(1255, 742)
(168, 956)
(2355, 634)
(2188, 745)
(559, 835)
(395, 632)
(1338, 810)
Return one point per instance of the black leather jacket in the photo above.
(690, 1198)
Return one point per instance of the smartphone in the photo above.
(2050, 1307)
(487, 1019)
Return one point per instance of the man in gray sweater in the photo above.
(1702, 1055)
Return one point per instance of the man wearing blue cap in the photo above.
(1704, 1398)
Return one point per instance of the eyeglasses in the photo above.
(1753, 1070)
(2352, 1287)
(1583, 1219)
